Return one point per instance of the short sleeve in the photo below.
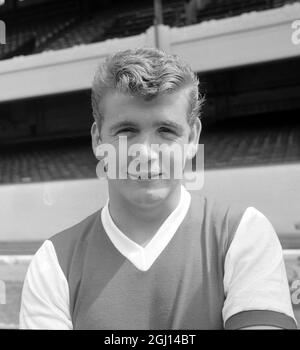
(45, 294)
(255, 282)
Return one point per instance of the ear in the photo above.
(96, 139)
(194, 138)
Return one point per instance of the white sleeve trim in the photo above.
(45, 294)
(255, 275)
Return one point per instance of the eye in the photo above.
(166, 130)
(126, 131)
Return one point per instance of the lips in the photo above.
(145, 176)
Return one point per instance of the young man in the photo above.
(156, 256)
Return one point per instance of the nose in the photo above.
(147, 152)
(146, 155)
(145, 145)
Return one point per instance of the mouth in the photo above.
(145, 176)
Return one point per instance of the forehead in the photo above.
(116, 107)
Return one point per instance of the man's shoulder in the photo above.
(70, 243)
(215, 207)
(77, 232)
(217, 217)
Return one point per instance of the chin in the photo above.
(150, 197)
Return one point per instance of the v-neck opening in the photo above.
(143, 257)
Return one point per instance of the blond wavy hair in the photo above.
(147, 73)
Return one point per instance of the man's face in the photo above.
(153, 127)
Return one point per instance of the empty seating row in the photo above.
(67, 29)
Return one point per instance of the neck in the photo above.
(137, 223)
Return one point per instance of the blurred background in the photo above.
(247, 56)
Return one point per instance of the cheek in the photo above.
(172, 163)
(122, 162)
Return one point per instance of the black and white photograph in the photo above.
(150, 167)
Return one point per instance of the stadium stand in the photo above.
(84, 32)
(60, 25)
(137, 21)
(35, 39)
(227, 8)
(28, 31)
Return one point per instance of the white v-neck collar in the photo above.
(144, 257)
